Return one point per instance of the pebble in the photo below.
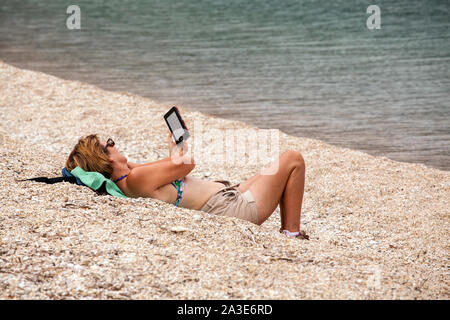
(178, 229)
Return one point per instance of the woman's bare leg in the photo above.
(244, 186)
(292, 199)
(285, 187)
(282, 213)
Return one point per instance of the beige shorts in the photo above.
(230, 201)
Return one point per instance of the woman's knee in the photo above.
(295, 158)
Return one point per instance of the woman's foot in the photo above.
(298, 234)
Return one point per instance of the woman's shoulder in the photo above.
(138, 182)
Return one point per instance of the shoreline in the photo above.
(436, 160)
(368, 217)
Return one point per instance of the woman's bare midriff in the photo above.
(196, 192)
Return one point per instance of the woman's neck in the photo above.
(119, 170)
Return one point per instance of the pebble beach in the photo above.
(378, 228)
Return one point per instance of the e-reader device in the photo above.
(176, 125)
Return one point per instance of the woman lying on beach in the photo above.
(168, 179)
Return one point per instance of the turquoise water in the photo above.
(309, 68)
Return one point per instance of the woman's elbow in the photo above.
(188, 163)
(189, 160)
(192, 164)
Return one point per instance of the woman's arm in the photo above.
(145, 179)
(132, 165)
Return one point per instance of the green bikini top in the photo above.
(178, 184)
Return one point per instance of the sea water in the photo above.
(310, 68)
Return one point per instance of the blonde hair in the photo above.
(90, 156)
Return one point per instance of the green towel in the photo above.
(95, 180)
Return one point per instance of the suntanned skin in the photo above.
(284, 186)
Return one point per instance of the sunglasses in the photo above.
(109, 143)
